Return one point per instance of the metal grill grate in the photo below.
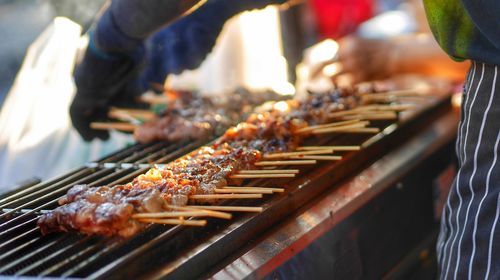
(25, 252)
(179, 251)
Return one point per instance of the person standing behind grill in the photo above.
(363, 59)
(468, 245)
(132, 46)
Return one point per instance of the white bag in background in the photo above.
(36, 136)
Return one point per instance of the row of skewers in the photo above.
(188, 115)
(184, 115)
(179, 192)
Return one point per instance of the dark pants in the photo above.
(469, 243)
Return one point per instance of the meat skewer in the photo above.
(198, 175)
(191, 116)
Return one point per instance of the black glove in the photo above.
(111, 71)
(102, 82)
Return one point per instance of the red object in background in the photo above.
(337, 18)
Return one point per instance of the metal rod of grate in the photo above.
(42, 187)
(18, 237)
(120, 156)
(47, 199)
(17, 228)
(59, 267)
(33, 266)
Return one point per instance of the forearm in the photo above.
(420, 53)
(127, 22)
(139, 18)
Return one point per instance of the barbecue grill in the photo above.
(176, 251)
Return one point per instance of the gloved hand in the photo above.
(107, 76)
(102, 81)
(111, 73)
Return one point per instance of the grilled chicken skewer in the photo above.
(197, 176)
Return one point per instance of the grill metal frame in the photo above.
(170, 251)
(18, 230)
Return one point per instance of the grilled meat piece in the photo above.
(191, 116)
(102, 210)
(174, 127)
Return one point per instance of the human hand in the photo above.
(117, 67)
(103, 80)
(362, 59)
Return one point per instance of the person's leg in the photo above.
(466, 246)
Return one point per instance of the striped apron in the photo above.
(468, 246)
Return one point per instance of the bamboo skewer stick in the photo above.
(187, 208)
(254, 176)
(224, 196)
(318, 157)
(228, 208)
(339, 129)
(380, 107)
(343, 113)
(122, 116)
(182, 208)
(352, 130)
(376, 115)
(382, 98)
(363, 130)
(334, 148)
(386, 98)
(116, 125)
(243, 191)
(183, 222)
(279, 190)
(134, 113)
(353, 111)
(401, 92)
(285, 162)
(151, 98)
(173, 214)
(292, 154)
(340, 123)
(269, 171)
(370, 109)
